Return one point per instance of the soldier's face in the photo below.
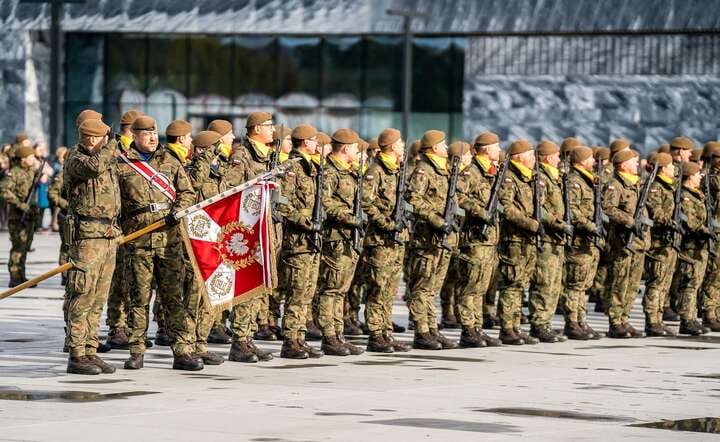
(441, 149)
(399, 150)
(683, 154)
(527, 159)
(286, 145)
(352, 151)
(146, 140)
(693, 181)
(669, 170)
(493, 152)
(228, 138)
(264, 132)
(553, 159)
(186, 141)
(28, 161)
(630, 166)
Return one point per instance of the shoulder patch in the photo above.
(236, 162)
(686, 199)
(611, 187)
(508, 180)
(368, 177)
(576, 185)
(653, 190)
(420, 171)
(290, 174)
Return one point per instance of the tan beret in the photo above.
(580, 153)
(345, 136)
(458, 148)
(711, 148)
(374, 143)
(94, 128)
(661, 158)
(622, 156)
(635, 152)
(206, 138)
(569, 144)
(696, 155)
(223, 127)
(303, 132)
(431, 138)
(690, 168)
(87, 114)
(285, 132)
(547, 148)
(388, 137)
(665, 148)
(415, 148)
(486, 139)
(144, 122)
(601, 153)
(682, 143)
(323, 138)
(24, 151)
(258, 118)
(618, 145)
(130, 116)
(178, 128)
(362, 144)
(519, 146)
(20, 137)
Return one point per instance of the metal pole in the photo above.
(407, 79)
(55, 9)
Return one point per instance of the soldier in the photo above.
(566, 148)
(517, 249)
(711, 284)
(339, 258)
(300, 261)
(661, 258)
(57, 198)
(619, 204)
(428, 260)
(15, 189)
(153, 186)
(547, 283)
(125, 136)
(250, 160)
(477, 255)
(693, 254)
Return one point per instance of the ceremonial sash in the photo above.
(155, 178)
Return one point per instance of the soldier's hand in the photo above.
(446, 228)
(171, 221)
(316, 226)
(637, 229)
(23, 207)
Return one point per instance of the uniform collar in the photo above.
(388, 161)
(629, 178)
(524, 171)
(584, 172)
(440, 163)
(261, 149)
(181, 152)
(551, 170)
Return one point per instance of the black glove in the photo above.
(567, 229)
(447, 228)
(316, 226)
(171, 221)
(637, 229)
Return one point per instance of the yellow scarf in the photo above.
(284, 157)
(484, 162)
(667, 180)
(260, 147)
(181, 151)
(584, 172)
(552, 171)
(439, 162)
(343, 165)
(527, 173)
(389, 161)
(306, 157)
(632, 179)
(125, 142)
(225, 150)
(315, 158)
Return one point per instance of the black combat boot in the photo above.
(670, 315)
(712, 323)
(104, 367)
(574, 331)
(263, 355)
(118, 339)
(103, 347)
(378, 344)
(352, 348)
(291, 349)
(313, 333)
(600, 306)
(508, 336)
(312, 352)
(135, 361)
(187, 362)
(210, 358)
(592, 334)
(241, 351)
(332, 346)
(544, 334)
(82, 365)
(446, 343)
(634, 333)
(489, 322)
(527, 339)
(469, 338)
(397, 345)
(652, 329)
(66, 345)
(668, 330)
(489, 340)
(265, 333)
(397, 328)
(690, 327)
(219, 335)
(426, 341)
(162, 338)
(450, 322)
(350, 328)
(618, 331)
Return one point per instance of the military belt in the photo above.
(154, 207)
(92, 219)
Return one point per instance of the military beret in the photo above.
(362, 144)
(20, 137)
(580, 154)
(635, 152)
(569, 144)
(661, 158)
(24, 151)
(486, 139)
(94, 128)
(257, 118)
(519, 146)
(458, 148)
(547, 148)
(601, 153)
(388, 137)
(502, 156)
(129, 116)
(430, 138)
(690, 168)
(618, 145)
(87, 114)
(374, 143)
(206, 138)
(285, 132)
(683, 143)
(664, 148)
(178, 128)
(144, 122)
(711, 148)
(696, 155)
(223, 127)
(303, 132)
(323, 138)
(622, 156)
(415, 148)
(345, 136)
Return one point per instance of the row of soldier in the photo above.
(569, 217)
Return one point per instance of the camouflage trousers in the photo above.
(384, 265)
(517, 269)
(626, 271)
(168, 268)
(358, 289)
(601, 286)
(449, 293)
(119, 299)
(546, 285)
(298, 277)
(580, 266)
(660, 265)
(711, 288)
(199, 315)
(337, 268)
(691, 271)
(427, 270)
(244, 318)
(269, 307)
(21, 238)
(473, 277)
(87, 290)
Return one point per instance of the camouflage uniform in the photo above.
(57, 198)
(119, 298)
(711, 284)
(693, 255)
(94, 207)
(601, 286)
(449, 293)
(157, 254)
(14, 190)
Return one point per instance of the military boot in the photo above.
(600, 306)
(352, 329)
(135, 361)
(379, 344)
(426, 341)
(489, 321)
(103, 347)
(670, 315)
(354, 349)
(66, 345)
(277, 330)
(690, 327)
(654, 329)
(574, 331)
(313, 333)
(508, 336)
(104, 367)
(265, 333)
(332, 346)
(291, 349)
(544, 334)
(219, 335)
(618, 331)
(397, 328)
(449, 321)
(469, 338)
(446, 343)
(411, 324)
(187, 362)
(634, 333)
(162, 338)
(312, 352)
(397, 345)
(263, 355)
(668, 330)
(524, 319)
(118, 339)
(592, 334)
(712, 323)
(82, 365)
(529, 340)
(241, 351)
(210, 358)
(489, 340)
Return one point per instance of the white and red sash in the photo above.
(155, 178)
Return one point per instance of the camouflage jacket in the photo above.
(15, 189)
(427, 193)
(247, 163)
(91, 185)
(693, 205)
(552, 205)
(379, 200)
(298, 185)
(339, 199)
(206, 173)
(661, 207)
(715, 192)
(474, 188)
(516, 196)
(582, 207)
(619, 203)
(138, 195)
(56, 195)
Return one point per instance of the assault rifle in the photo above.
(537, 203)
(33, 189)
(358, 231)
(401, 209)
(318, 215)
(277, 197)
(641, 220)
(678, 229)
(566, 201)
(709, 205)
(494, 202)
(452, 210)
(598, 216)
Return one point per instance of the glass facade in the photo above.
(329, 81)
